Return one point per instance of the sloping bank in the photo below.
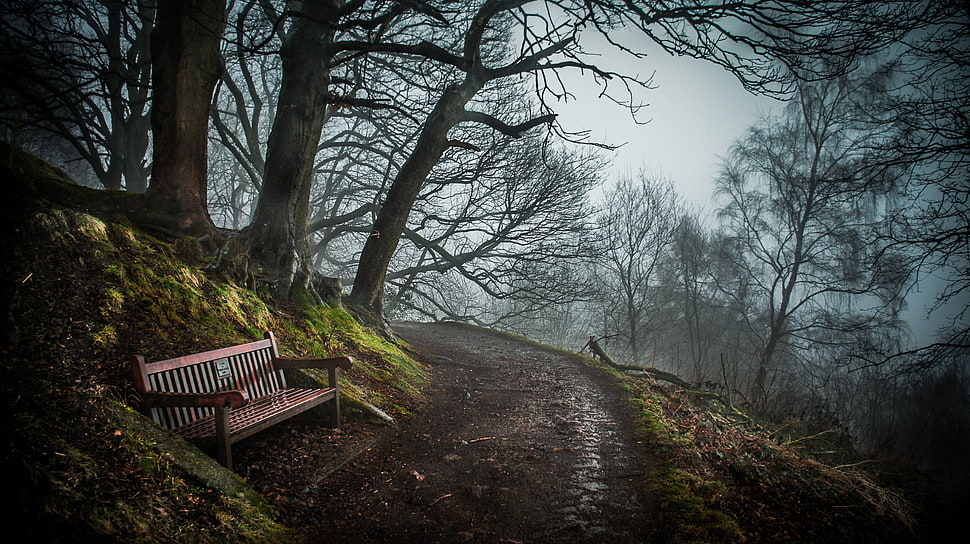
(83, 289)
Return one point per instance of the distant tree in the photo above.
(244, 106)
(76, 84)
(931, 108)
(803, 195)
(689, 270)
(635, 230)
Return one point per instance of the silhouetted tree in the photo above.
(76, 83)
(803, 196)
(509, 221)
(931, 108)
(634, 232)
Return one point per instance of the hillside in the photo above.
(87, 284)
(84, 290)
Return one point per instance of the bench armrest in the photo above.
(332, 362)
(232, 399)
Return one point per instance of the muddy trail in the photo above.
(516, 443)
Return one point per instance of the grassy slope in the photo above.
(719, 477)
(83, 289)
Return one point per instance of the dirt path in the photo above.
(517, 444)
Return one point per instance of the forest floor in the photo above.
(516, 443)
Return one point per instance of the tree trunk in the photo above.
(185, 63)
(277, 236)
(115, 84)
(368, 290)
(138, 128)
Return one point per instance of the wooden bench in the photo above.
(228, 394)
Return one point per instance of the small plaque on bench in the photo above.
(223, 370)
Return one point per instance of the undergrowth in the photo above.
(718, 477)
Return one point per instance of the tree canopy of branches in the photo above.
(635, 229)
(457, 51)
(773, 42)
(930, 106)
(76, 83)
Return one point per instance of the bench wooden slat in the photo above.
(195, 358)
(255, 369)
(243, 422)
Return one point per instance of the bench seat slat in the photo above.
(276, 407)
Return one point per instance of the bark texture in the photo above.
(185, 61)
(368, 290)
(278, 233)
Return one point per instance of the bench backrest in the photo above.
(247, 367)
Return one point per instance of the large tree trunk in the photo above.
(278, 233)
(368, 290)
(186, 66)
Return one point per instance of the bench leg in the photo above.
(334, 375)
(335, 415)
(223, 444)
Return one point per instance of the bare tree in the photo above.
(243, 109)
(688, 271)
(511, 227)
(802, 196)
(931, 108)
(634, 232)
(748, 39)
(277, 235)
(76, 85)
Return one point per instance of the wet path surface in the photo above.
(517, 444)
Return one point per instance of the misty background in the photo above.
(803, 254)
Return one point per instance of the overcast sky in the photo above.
(694, 115)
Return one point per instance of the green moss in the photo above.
(96, 469)
(393, 379)
(98, 290)
(688, 506)
(687, 511)
(106, 336)
(186, 477)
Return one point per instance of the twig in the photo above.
(850, 465)
(797, 440)
(439, 499)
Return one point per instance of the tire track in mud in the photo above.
(517, 444)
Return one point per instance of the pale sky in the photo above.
(696, 112)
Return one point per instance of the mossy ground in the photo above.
(718, 477)
(84, 289)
